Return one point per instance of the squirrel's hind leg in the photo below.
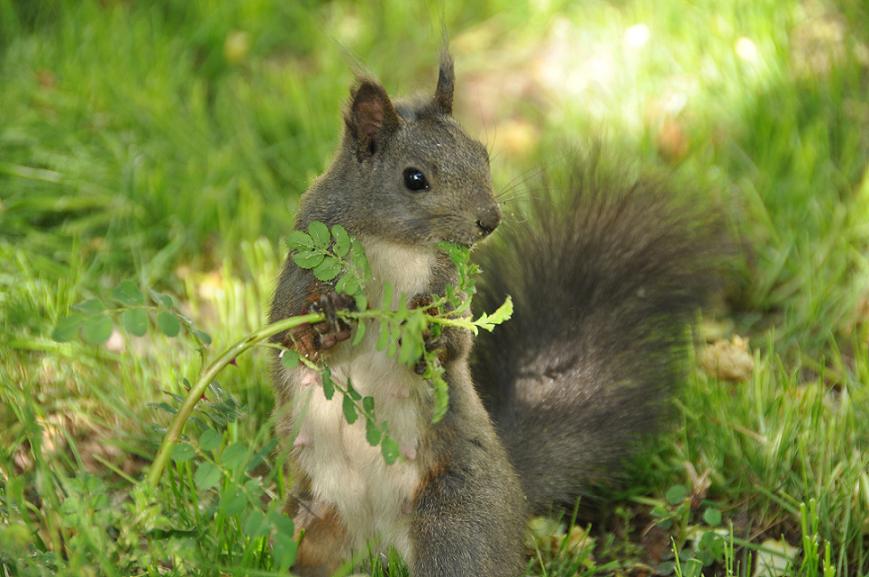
(325, 545)
(469, 521)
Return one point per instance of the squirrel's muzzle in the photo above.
(488, 220)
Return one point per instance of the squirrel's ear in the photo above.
(371, 118)
(443, 98)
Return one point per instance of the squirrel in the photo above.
(606, 278)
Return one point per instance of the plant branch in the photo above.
(196, 392)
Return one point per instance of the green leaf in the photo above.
(328, 385)
(210, 440)
(234, 456)
(383, 335)
(389, 449)
(348, 284)
(368, 404)
(712, 516)
(354, 394)
(349, 410)
(300, 240)
(361, 301)
(232, 502)
(358, 333)
(341, 284)
(410, 350)
(460, 255)
(164, 300)
(182, 452)
(394, 337)
(203, 337)
(328, 269)
(359, 260)
(254, 487)
(168, 323)
(372, 433)
(676, 494)
(342, 240)
(135, 321)
(308, 259)
(691, 567)
(282, 523)
(96, 330)
(412, 338)
(659, 512)
(255, 524)
(441, 397)
(289, 358)
(89, 307)
(163, 406)
(284, 550)
(320, 233)
(127, 293)
(206, 476)
(66, 328)
(711, 547)
(501, 315)
(386, 298)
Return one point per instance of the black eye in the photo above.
(415, 180)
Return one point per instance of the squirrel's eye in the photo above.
(415, 180)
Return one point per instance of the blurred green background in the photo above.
(167, 143)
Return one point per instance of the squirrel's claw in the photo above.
(329, 304)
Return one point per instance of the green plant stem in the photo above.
(196, 392)
(461, 323)
(377, 314)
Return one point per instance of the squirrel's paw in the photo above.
(313, 339)
(333, 330)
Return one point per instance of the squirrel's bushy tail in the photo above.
(606, 271)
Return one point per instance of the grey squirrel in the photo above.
(605, 279)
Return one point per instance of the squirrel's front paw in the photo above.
(313, 339)
(333, 330)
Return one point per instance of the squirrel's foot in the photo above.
(313, 339)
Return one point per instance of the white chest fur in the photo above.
(345, 471)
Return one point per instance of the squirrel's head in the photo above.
(418, 178)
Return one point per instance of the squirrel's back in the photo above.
(606, 272)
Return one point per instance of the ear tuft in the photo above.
(443, 98)
(371, 118)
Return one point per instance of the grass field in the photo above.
(167, 143)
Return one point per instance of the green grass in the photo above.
(168, 143)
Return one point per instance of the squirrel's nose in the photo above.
(489, 219)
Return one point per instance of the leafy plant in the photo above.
(93, 320)
(209, 467)
(333, 257)
(697, 546)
